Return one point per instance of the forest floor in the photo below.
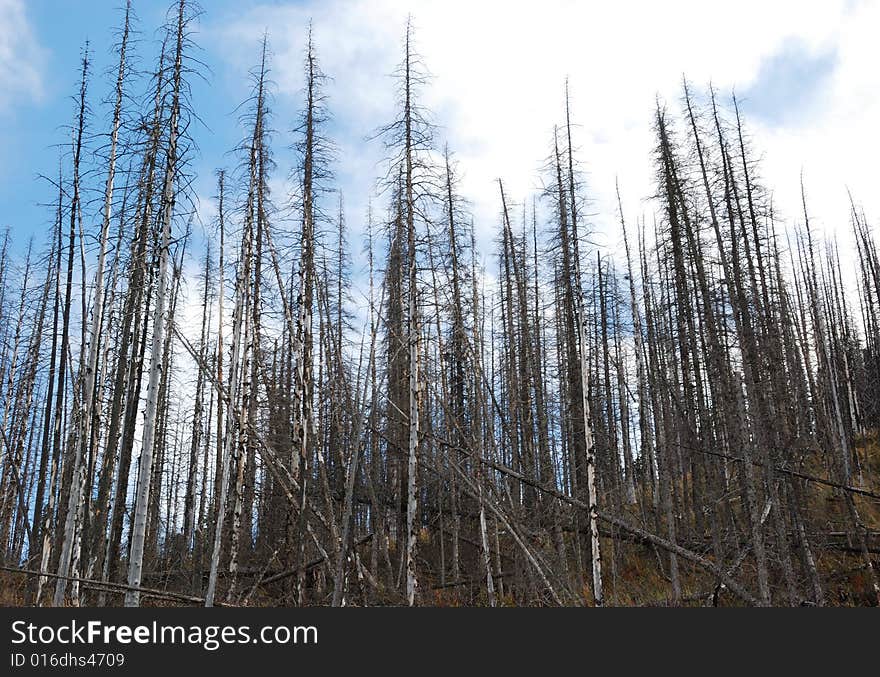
(839, 560)
(636, 574)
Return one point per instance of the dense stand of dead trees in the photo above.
(547, 425)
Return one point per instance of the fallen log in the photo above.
(309, 565)
(108, 586)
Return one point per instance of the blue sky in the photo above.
(34, 119)
(805, 73)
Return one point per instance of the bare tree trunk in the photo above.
(145, 465)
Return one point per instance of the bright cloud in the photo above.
(21, 57)
(499, 69)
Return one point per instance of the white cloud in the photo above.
(499, 69)
(21, 57)
(838, 145)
